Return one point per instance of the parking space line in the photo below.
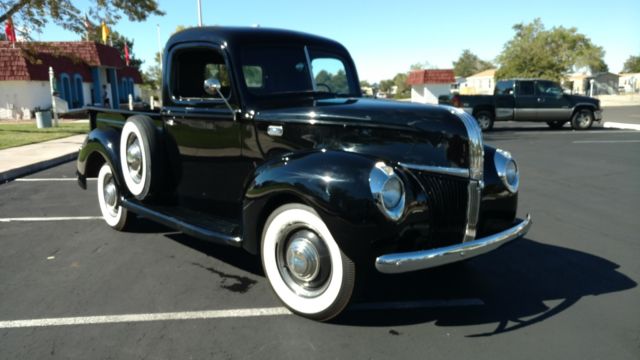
(111, 319)
(51, 218)
(618, 125)
(605, 141)
(222, 314)
(48, 179)
(419, 304)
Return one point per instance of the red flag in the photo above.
(126, 53)
(10, 31)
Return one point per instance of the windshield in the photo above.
(291, 70)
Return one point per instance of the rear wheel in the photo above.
(556, 124)
(582, 119)
(485, 120)
(114, 215)
(304, 264)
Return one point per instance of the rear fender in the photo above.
(105, 142)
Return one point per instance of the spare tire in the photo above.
(140, 157)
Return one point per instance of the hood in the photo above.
(386, 129)
(584, 99)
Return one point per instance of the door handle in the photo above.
(540, 100)
(171, 122)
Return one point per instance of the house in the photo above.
(481, 83)
(84, 72)
(629, 82)
(603, 83)
(428, 85)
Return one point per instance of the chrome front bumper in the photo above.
(425, 259)
(597, 115)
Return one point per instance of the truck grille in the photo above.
(447, 199)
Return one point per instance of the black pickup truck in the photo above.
(264, 142)
(530, 100)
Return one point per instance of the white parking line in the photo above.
(605, 141)
(222, 314)
(48, 179)
(52, 218)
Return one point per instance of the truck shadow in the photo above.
(514, 287)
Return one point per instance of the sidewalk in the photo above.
(23, 160)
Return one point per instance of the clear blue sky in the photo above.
(386, 37)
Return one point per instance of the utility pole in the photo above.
(159, 44)
(199, 13)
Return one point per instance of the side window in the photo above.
(191, 67)
(525, 88)
(253, 77)
(548, 88)
(330, 75)
(504, 88)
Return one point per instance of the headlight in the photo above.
(387, 190)
(507, 170)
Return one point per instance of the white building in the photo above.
(629, 82)
(84, 72)
(482, 83)
(428, 85)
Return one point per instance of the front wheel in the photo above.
(582, 119)
(304, 264)
(108, 197)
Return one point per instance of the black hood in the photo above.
(389, 130)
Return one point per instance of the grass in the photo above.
(27, 133)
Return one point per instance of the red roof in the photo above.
(65, 57)
(131, 72)
(419, 77)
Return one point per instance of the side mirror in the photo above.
(212, 86)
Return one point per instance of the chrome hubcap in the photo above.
(484, 122)
(110, 194)
(583, 120)
(134, 159)
(303, 259)
(304, 262)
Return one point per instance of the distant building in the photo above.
(604, 83)
(629, 82)
(481, 83)
(81, 68)
(428, 85)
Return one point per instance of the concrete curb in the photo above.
(12, 174)
(623, 126)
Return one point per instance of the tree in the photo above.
(33, 15)
(402, 88)
(549, 54)
(632, 65)
(469, 63)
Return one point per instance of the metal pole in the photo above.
(591, 87)
(53, 98)
(159, 44)
(199, 13)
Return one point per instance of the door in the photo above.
(525, 102)
(205, 136)
(553, 104)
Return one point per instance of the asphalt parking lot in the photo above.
(72, 288)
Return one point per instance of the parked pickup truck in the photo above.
(530, 100)
(265, 143)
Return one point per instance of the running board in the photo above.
(214, 230)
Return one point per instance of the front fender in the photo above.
(334, 183)
(498, 206)
(104, 142)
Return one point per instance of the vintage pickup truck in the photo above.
(530, 100)
(264, 142)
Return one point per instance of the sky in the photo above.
(386, 37)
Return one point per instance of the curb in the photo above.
(12, 174)
(624, 126)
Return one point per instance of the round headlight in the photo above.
(387, 190)
(507, 170)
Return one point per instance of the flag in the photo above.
(105, 33)
(126, 53)
(87, 26)
(10, 31)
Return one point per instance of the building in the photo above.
(86, 73)
(428, 85)
(481, 83)
(604, 83)
(629, 82)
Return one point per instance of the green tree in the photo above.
(403, 89)
(632, 65)
(469, 63)
(33, 15)
(550, 54)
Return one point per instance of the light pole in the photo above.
(591, 87)
(199, 13)
(53, 97)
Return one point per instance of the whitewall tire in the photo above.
(108, 197)
(139, 157)
(304, 264)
